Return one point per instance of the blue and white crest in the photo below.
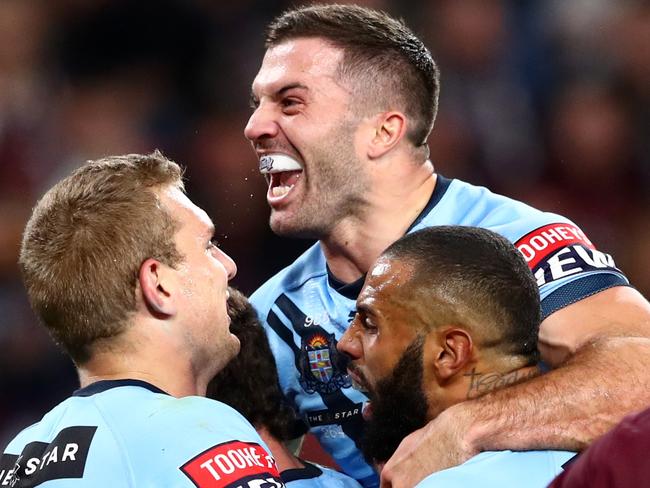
(323, 369)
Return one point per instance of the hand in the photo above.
(439, 445)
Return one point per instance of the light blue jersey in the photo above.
(305, 310)
(128, 433)
(502, 469)
(316, 476)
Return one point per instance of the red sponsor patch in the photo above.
(230, 464)
(538, 244)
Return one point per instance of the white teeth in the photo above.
(280, 191)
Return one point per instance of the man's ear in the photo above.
(389, 129)
(456, 348)
(155, 281)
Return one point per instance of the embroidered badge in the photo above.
(322, 368)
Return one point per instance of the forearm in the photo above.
(566, 408)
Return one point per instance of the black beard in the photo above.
(399, 406)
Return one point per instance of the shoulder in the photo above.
(41, 429)
(136, 437)
(467, 204)
(213, 445)
(494, 469)
(335, 478)
(170, 418)
(315, 475)
(71, 441)
(311, 264)
(170, 441)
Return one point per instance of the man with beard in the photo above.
(446, 314)
(343, 105)
(249, 384)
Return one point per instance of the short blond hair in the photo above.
(85, 242)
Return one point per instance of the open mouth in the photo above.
(280, 184)
(282, 173)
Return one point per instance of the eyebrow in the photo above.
(282, 91)
(365, 309)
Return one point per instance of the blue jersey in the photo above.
(315, 476)
(502, 469)
(129, 433)
(305, 310)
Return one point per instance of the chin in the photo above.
(285, 228)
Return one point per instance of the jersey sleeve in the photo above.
(566, 265)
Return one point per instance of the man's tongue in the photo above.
(282, 182)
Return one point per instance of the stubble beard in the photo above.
(226, 350)
(335, 189)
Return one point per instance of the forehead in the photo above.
(302, 60)
(384, 283)
(184, 210)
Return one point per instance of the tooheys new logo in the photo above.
(556, 251)
(233, 464)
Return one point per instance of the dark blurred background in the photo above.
(545, 101)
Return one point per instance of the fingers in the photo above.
(404, 468)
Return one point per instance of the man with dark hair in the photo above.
(343, 104)
(446, 314)
(120, 267)
(249, 384)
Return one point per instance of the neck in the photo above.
(394, 204)
(480, 382)
(479, 379)
(283, 457)
(146, 358)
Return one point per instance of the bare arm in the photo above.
(607, 340)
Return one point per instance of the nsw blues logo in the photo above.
(322, 367)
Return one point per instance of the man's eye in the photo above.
(289, 103)
(367, 325)
(253, 103)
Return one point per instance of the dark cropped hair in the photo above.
(386, 62)
(249, 383)
(476, 278)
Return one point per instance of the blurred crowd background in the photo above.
(546, 101)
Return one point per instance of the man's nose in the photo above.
(349, 343)
(262, 124)
(229, 264)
